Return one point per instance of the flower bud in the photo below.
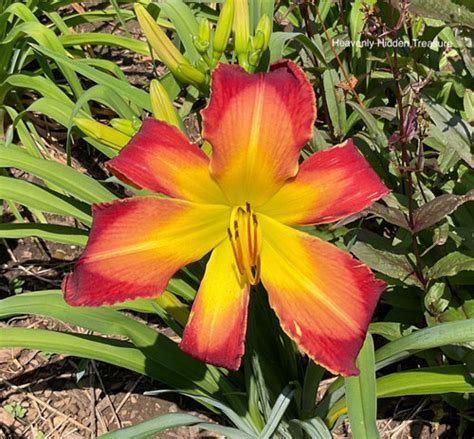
(242, 31)
(223, 29)
(163, 47)
(172, 305)
(125, 126)
(254, 57)
(263, 32)
(103, 133)
(187, 73)
(258, 41)
(162, 106)
(202, 65)
(203, 40)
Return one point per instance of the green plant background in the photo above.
(411, 114)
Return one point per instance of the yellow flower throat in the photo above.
(246, 239)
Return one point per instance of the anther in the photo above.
(244, 235)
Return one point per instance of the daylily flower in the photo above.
(239, 204)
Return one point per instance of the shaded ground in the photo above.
(67, 398)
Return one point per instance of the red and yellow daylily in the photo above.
(239, 204)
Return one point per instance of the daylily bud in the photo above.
(188, 73)
(202, 65)
(137, 123)
(103, 133)
(254, 57)
(125, 126)
(242, 31)
(223, 29)
(203, 40)
(258, 41)
(164, 48)
(264, 29)
(172, 305)
(162, 105)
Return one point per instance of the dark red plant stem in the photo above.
(406, 169)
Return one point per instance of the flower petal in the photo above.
(257, 125)
(331, 184)
(323, 297)
(137, 244)
(215, 331)
(161, 158)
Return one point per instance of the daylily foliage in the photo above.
(239, 204)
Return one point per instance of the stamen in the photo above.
(244, 236)
(255, 239)
(240, 255)
(250, 241)
(234, 250)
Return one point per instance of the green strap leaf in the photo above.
(51, 232)
(361, 395)
(151, 427)
(335, 101)
(278, 410)
(185, 24)
(66, 178)
(139, 97)
(312, 378)
(426, 381)
(315, 427)
(105, 39)
(165, 361)
(237, 420)
(118, 353)
(43, 199)
(444, 334)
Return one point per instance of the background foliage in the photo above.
(410, 110)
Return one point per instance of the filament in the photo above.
(244, 234)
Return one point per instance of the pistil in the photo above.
(245, 237)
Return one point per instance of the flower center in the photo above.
(245, 237)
